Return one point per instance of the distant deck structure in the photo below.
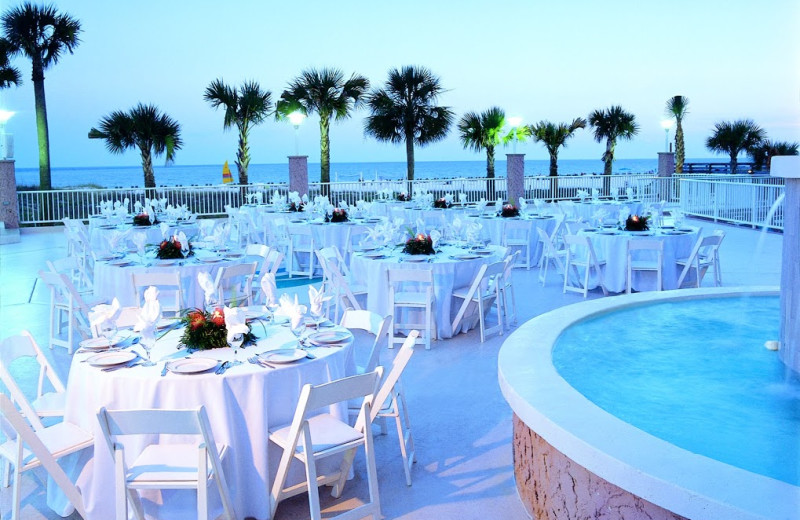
(717, 167)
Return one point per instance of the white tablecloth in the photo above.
(242, 405)
(327, 234)
(448, 274)
(114, 281)
(586, 210)
(493, 230)
(99, 233)
(613, 249)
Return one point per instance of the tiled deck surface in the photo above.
(461, 424)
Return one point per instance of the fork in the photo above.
(254, 360)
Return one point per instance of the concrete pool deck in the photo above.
(461, 422)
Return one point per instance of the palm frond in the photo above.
(734, 137)
(482, 131)
(613, 123)
(677, 107)
(40, 32)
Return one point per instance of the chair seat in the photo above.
(517, 242)
(411, 298)
(59, 439)
(645, 265)
(50, 404)
(174, 463)
(702, 261)
(463, 292)
(326, 432)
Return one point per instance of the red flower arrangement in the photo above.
(509, 210)
(338, 215)
(441, 203)
(206, 330)
(172, 249)
(637, 223)
(143, 219)
(296, 207)
(419, 245)
(403, 197)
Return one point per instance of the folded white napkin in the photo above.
(292, 309)
(583, 194)
(343, 205)
(137, 207)
(149, 314)
(164, 230)
(207, 284)
(456, 225)
(294, 196)
(498, 205)
(629, 192)
(235, 322)
(140, 240)
(462, 197)
(595, 194)
(436, 235)
(482, 202)
(448, 198)
(100, 314)
(116, 238)
(184, 242)
(316, 297)
(600, 215)
(473, 231)
(269, 288)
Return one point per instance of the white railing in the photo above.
(745, 199)
(752, 204)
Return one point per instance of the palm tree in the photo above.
(43, 35)
(144, 128)
(612, 124)
(735, 137)
(678, 107)
(484, 132)
(8, 75)
(554, 136)
(405, 110)
(245, 108)
(327, 93)
(762, 155)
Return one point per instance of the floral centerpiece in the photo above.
(337, 215)
(404, 197)
(509, 210)
(297, 206)
(143, 219)
(442, 203)
(637, 223)
(206, 330)
(173, 249)
(419, 245)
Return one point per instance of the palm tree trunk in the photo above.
(608, 159)
(243, 155)
(41, 125)
(490, 193)
(679, 149)
(410, 160)
(147, 167)
(734, 162)
(325, 153)
(554, 175)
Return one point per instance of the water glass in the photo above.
(148, 341)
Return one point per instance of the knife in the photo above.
(133, 362)
(223, 367)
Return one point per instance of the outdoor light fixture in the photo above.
(666, 124)
(6, 140)
(296, 118)
(515, 122)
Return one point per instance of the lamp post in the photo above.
(6, 140)
(296, 118)
(515, 121)
(666, 124)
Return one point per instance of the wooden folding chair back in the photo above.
(168, 283)
(234, 284)
(376, 325)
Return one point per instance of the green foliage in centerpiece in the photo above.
(206, 330)
(143, 219)
(637, 223)
(338, 215)
(509, 210)
(171, 249)
(441, 203)
(296, 207)
(419, 245)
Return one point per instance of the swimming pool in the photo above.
(695, 374)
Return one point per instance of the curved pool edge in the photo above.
(670, 477)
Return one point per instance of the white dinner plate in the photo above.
(110, 256)
(374, 256)
(109, 359)
(329, 337)
(415, 258)
(166, 261)
(607, 232)
(674, 232)
(284, 355)
(121, 262)
(466, 256)
(234, 255)
(192, 365)
(210, 259)
(97, 344)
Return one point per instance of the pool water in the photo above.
(696, 374)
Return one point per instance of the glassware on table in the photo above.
(299, 329)
(107, 330)
(235, 343)
(147, 341)
(318, 317)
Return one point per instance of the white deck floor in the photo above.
(461, 424)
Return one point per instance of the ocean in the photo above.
(178, 175)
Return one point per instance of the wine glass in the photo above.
(317, 313)
(236, 342)
(107, 330)
(147, 341)
(299, 327)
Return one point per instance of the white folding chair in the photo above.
(76, 270)
(170, 293)
(704, 255)
(639, 248)
(260, 254)
(234, 284)
(344, 294)
(507, 287)
(401, 296)
(27, 449)
(374, 324)
(517, 236)
(479, 296)
(65, 299)
(355, 237)
(164, 466)
(575, 246)
(311, 437)
(301, 247)
(549, 255)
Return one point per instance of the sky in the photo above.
(539, 60)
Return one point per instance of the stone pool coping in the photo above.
(683, 482)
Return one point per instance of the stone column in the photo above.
(666, 164)
(515, 177)
(9, 210)
(298, 174)
(788, 167)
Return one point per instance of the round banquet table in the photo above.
(611, 246)
(242, 405)
(112, 280)
(449, 272)
(493, 230)
(100, 232)
(587, 209)
(327, 234)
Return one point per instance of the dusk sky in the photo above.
(539, 60)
